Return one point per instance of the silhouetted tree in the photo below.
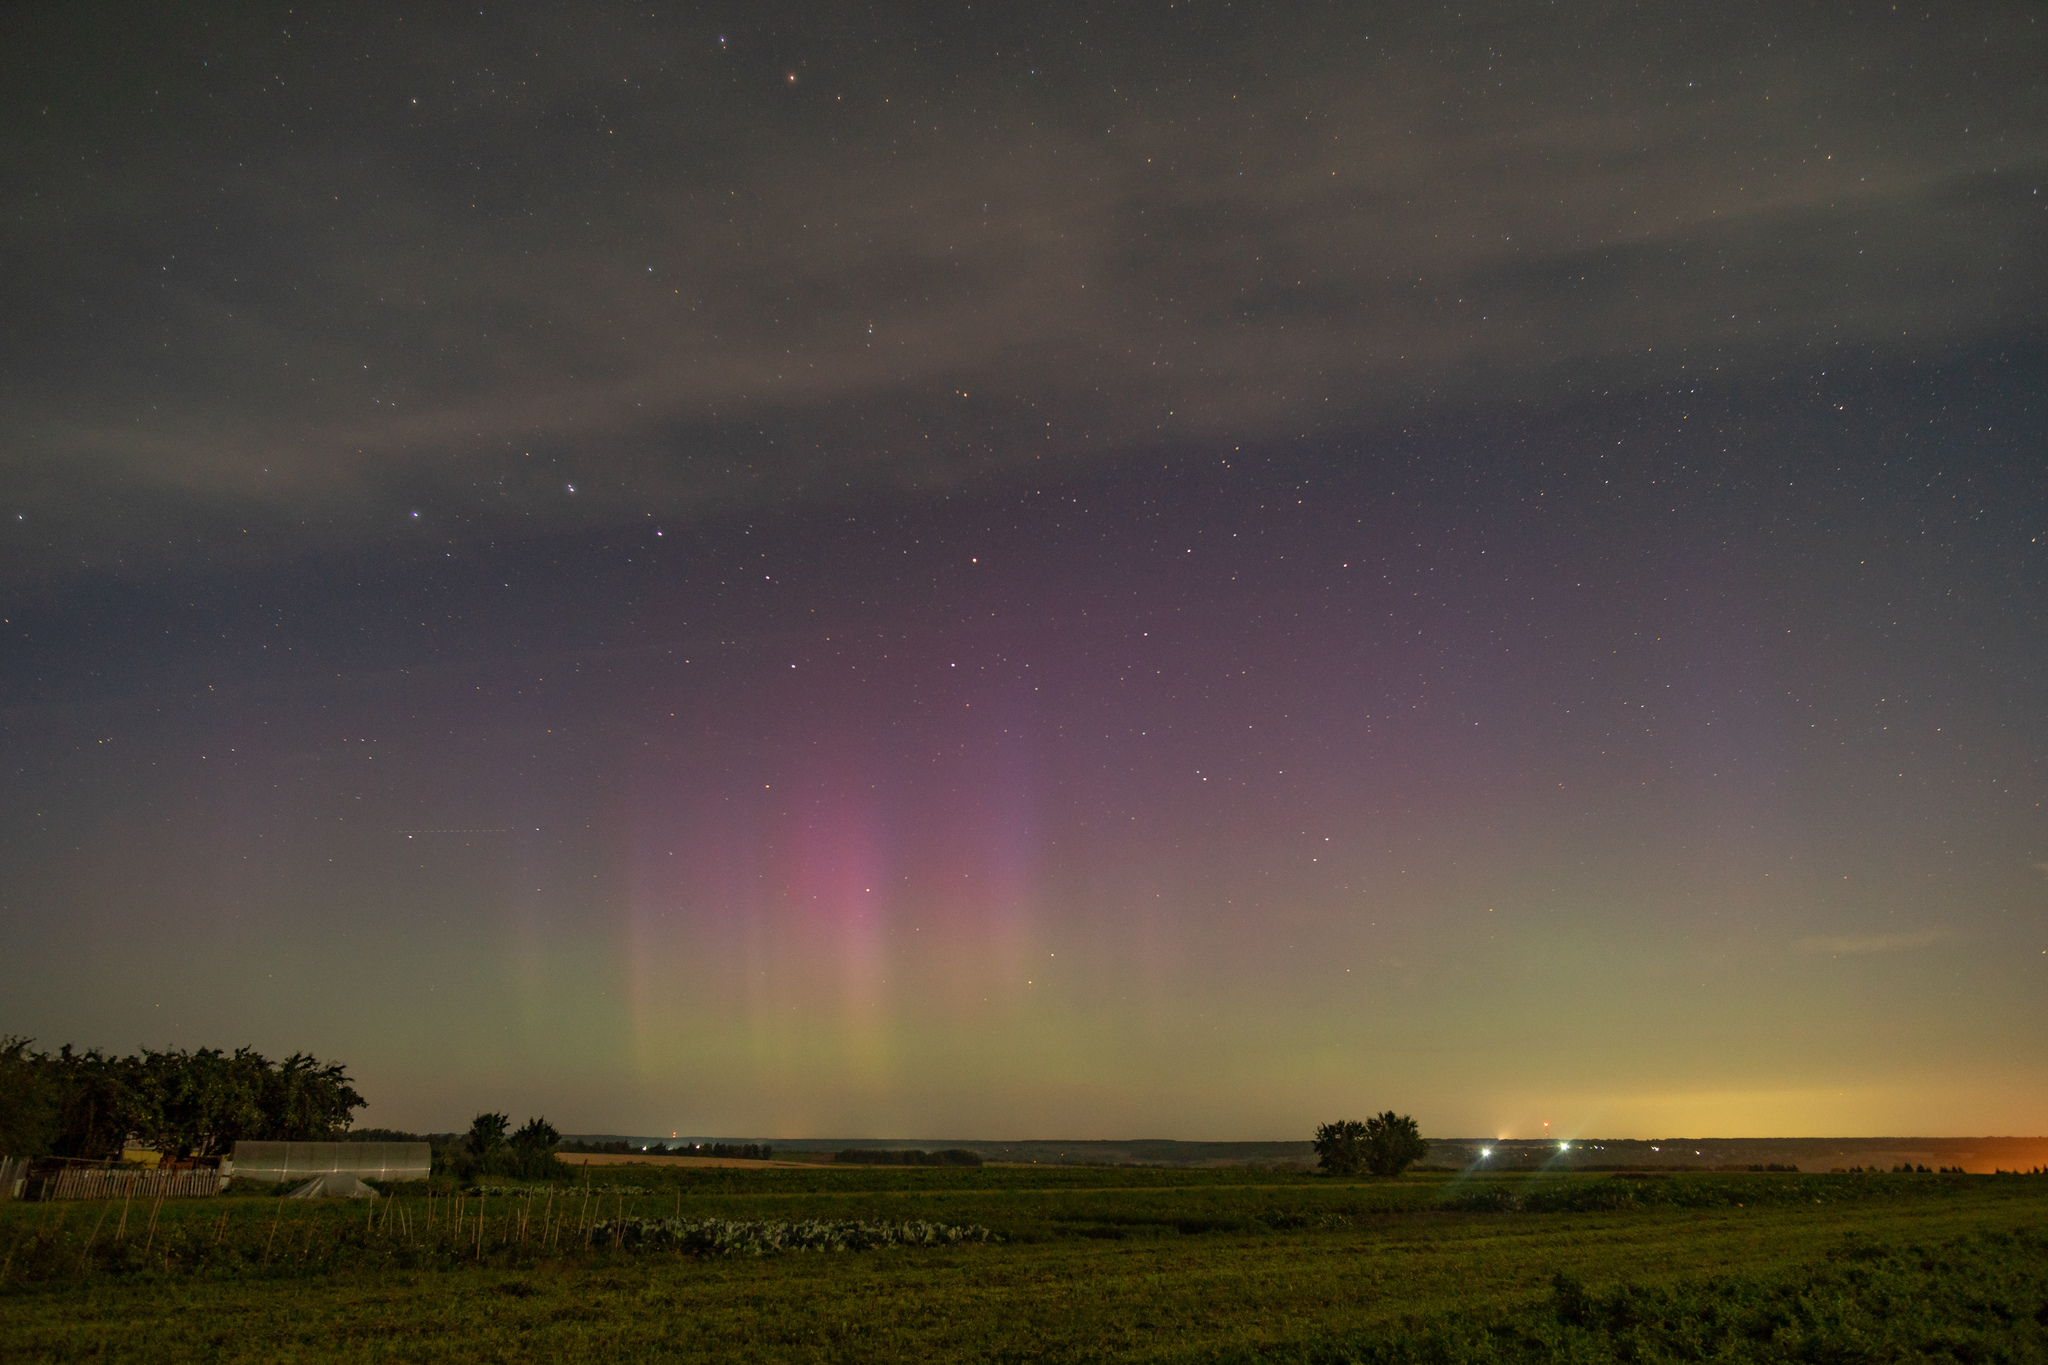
(85, 1104)
(486, 1136)
(1340, 1147)
(1392, 1144)
(537, 1136)
(31, 1103)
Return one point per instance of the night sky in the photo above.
(1177, 570)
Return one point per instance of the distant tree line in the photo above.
(868, 1156)
(183, 1104)
(1386, 1145)
(744, 1151)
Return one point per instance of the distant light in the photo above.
(1564, 1146)
(1485, 1152)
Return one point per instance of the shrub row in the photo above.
(718, 1237)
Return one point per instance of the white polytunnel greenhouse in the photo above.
(274, 1161)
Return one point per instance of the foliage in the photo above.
(486, 1136)
(184, 1104)
(1340, 1147)
(718, 1237)
(1385, 1144)
(31, 1103)
(1392, 1144)
(485, 1150)
(537, 1136)
(201, 1103)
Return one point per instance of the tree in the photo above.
(1341, 1146)
(1386, 1145)
(537, 1136)
(532, 1154)
(486, 1136)
(31, 1103)
(202, 1103)
(305, 1099)
(196, 1103)
(95, 1107)
(1392, 1144)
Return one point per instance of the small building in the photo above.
(276, 1161)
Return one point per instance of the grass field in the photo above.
(1085, 1264)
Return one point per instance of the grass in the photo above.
(1091, 1264)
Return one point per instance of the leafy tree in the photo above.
(1386, 1145)
(305, 1099)
(202, 1103)
(85, 1104)
(96, 1107)
(486, 1136)
(1392, 1144)
(532, 1153)
(537, 1136)
(1341, 1147)
(31, 1103)
(195, 1103)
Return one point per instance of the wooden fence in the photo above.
(104, 1182)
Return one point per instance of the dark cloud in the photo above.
(276, 285)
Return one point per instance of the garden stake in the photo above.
(121, 1232)
(273, 1230)
(154, 1210)
(88, 1241)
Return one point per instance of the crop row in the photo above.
(724, 1237)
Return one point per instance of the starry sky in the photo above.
(1175, 570)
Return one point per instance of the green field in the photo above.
(1083, 1264)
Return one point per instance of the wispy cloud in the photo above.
(1868, 943)
(908, 277)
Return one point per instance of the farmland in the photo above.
(1081, 1264)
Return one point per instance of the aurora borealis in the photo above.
(1160, 572)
